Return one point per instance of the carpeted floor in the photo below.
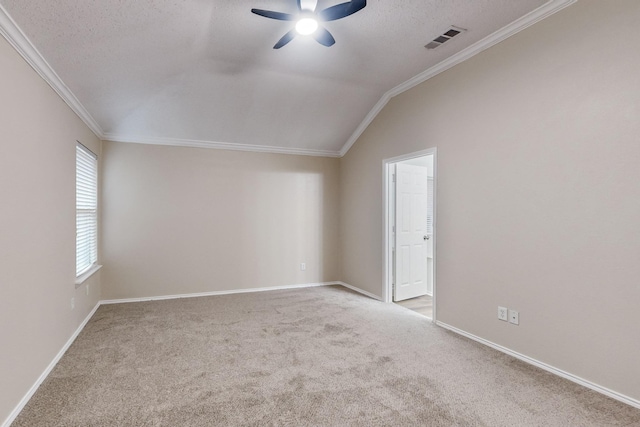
(309, 357)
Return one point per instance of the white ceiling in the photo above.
(205, 71)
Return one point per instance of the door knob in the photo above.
(425, 237)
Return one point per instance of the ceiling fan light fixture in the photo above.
(308, 20)
(306, 26)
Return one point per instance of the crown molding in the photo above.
(21, 43)
(366, 122)
(537, 15)
(14, 35)
(219, 145)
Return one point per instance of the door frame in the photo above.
(387, 232)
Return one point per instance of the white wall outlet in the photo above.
(514, 317)
(73, 303)
(503, 313)
(303, 266)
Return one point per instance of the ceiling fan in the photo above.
(308, 19)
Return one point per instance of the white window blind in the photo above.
(86, 209)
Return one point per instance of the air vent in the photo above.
(445, 37)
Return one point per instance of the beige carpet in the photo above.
(309, 357)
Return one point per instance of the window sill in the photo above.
(84, 276)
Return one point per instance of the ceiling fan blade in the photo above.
(274, 15)
(285, 39)
(324, 37)
(342, 10)
(309, 5)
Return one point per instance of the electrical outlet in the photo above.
(503, 313)
(87, 290)
(73, 303)
(514, 317)
(303, 266)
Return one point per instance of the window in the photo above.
(86, 209)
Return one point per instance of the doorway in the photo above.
(409, 212)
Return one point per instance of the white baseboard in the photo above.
(362, 291)
(615, 395)
(238, 291)
(7, 422)
(559, 372)
(214, 293)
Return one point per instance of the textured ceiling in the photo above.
(205, 70)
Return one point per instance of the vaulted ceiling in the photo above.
(203, 72)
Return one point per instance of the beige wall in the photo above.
(538, 191)
(38, 134)
(539, 201)
(182, 220)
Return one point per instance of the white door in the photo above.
(430, 196)
(412, 241)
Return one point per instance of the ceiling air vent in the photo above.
(446, 36)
